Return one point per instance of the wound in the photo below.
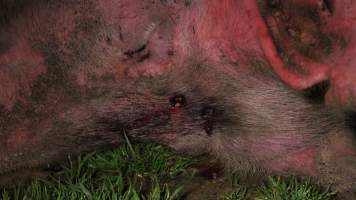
(208, 114)
(178, 101)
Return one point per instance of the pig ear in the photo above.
(341, 92)
(313, 73)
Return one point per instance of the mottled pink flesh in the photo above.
(21, 63)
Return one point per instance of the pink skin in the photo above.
(25, 63)
(218, 31)
(304, 159)
(17, 80)
(219, 28)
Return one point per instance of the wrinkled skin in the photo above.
(263, 86)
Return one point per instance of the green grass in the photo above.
(278, 188)
(238, 194)
(292, 189)
(146, 172)
(131, 172)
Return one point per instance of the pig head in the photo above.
(265, 86)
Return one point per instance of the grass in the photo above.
(145, 172)
(277, 188)
(237, 194)
(131, 172)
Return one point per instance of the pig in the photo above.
(266, 87)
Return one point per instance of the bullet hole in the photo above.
(207, 114)
(178, 101)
